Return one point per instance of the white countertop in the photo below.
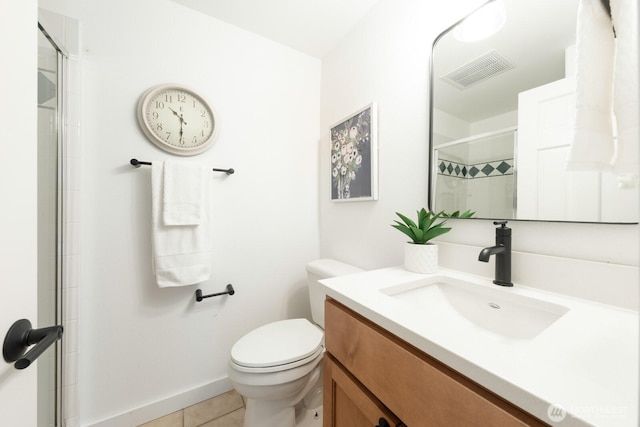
(586, 362)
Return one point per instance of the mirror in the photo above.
(501, 110)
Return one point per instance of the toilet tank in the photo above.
(324, 269)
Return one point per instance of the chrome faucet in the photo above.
(502, 251)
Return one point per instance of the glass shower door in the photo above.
(49, 230)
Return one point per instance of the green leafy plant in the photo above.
(426, 228)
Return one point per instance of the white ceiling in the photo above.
(534, 38)
(310, 26)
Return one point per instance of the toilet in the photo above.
(278, 367)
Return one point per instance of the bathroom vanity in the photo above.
(397, 355)
(371, 374)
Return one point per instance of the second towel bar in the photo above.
(229, 291)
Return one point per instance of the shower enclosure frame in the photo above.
(435, 155)
(63, 33)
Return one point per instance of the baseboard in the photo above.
(165, 406)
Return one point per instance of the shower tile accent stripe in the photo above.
(478, 170)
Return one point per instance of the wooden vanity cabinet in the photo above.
(348, 404)
(372, 374)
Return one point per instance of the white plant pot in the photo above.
(421, 258)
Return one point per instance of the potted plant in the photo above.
(420, 256)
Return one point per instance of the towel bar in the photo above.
(229, 291)
(137, 163)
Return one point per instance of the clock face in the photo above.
(177, 120)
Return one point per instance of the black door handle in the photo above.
(382, 423)
(20, 336)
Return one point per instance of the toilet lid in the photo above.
(277, 343)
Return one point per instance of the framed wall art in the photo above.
(354, 157)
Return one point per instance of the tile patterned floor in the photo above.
(226, 410)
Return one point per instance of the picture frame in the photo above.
(354, 156)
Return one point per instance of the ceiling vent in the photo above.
(478, 70)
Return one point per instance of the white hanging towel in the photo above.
(183, 198)
(606, 89)
(592, 140)
(181, 240)
(626, 87)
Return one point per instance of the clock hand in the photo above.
(174, 112)
(178, 116)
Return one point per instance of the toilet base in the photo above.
(309, 417)
(266, 416)
(306, 413)
(257, 413)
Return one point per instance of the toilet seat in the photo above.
(278, 346)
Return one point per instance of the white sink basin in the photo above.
(495, 311)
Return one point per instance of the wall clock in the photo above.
(177, 119)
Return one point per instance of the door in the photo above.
(29, 226)
(18, 200)
(545, 116)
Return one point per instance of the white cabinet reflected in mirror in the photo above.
(502, 109)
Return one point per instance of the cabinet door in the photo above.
(348, 404)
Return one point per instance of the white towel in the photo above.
(592, 142)
(181, 254)
(183, 193)
(626, 88)
(606, 89)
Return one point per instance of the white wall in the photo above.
(385, 59)
(449, 127)
(141, 344)
(498, 122)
